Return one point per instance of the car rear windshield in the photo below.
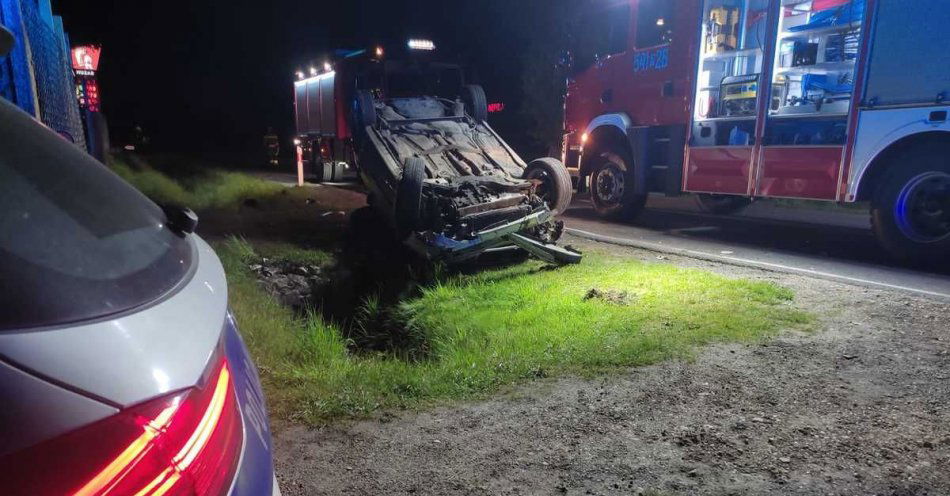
(76, 242)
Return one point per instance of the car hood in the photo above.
(135, 357)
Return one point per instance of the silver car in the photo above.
(121, 368)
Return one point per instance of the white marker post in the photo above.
(300, 166)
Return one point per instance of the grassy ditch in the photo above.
(472, 334)
(212, 189)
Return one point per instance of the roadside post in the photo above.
(300, 181)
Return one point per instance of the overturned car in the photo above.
(451, 186)
(417, 136)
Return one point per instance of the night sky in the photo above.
(211, 76)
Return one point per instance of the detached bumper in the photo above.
(443, 248)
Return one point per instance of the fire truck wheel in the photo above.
(476, 103)
(365, 108)
(612, 191)
(408, 208)
(722, 204)
(554, 183)
(910, 211)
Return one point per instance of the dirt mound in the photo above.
(611, 296)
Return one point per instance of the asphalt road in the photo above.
(830, 243)
(814, 240)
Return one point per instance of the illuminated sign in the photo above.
(494, 108)
(87, 92)
(86, 58)
(421, 45)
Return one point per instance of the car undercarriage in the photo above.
(453, 188)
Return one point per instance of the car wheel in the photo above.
(910, 212)
(365, 105)
(553, 183)
(408, 208)
(722, 204)
(476, 103)
(612, 190)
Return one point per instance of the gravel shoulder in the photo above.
(859, 407)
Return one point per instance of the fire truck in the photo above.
(733, 100)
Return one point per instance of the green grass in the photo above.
(286, 252)
(212, 189)
(500, 327)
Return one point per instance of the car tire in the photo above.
(910, 211)
(408, 207)
(365, 109)
(612, 189)
(554, 183)
(722, 204)
(476, 103)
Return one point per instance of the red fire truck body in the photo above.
(636, 97)
(837, 100)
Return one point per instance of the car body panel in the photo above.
(59, 375)
(35, 410)
(138, 356)
(255, 474)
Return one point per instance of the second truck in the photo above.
(734, 100)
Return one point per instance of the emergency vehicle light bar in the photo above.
(315, 78)
(415, 44)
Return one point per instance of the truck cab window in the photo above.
(655, 23)
(618, 29)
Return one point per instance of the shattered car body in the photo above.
(452, 187)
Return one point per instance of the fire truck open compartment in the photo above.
(798, 58)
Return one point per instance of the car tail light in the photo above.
(186, 443)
